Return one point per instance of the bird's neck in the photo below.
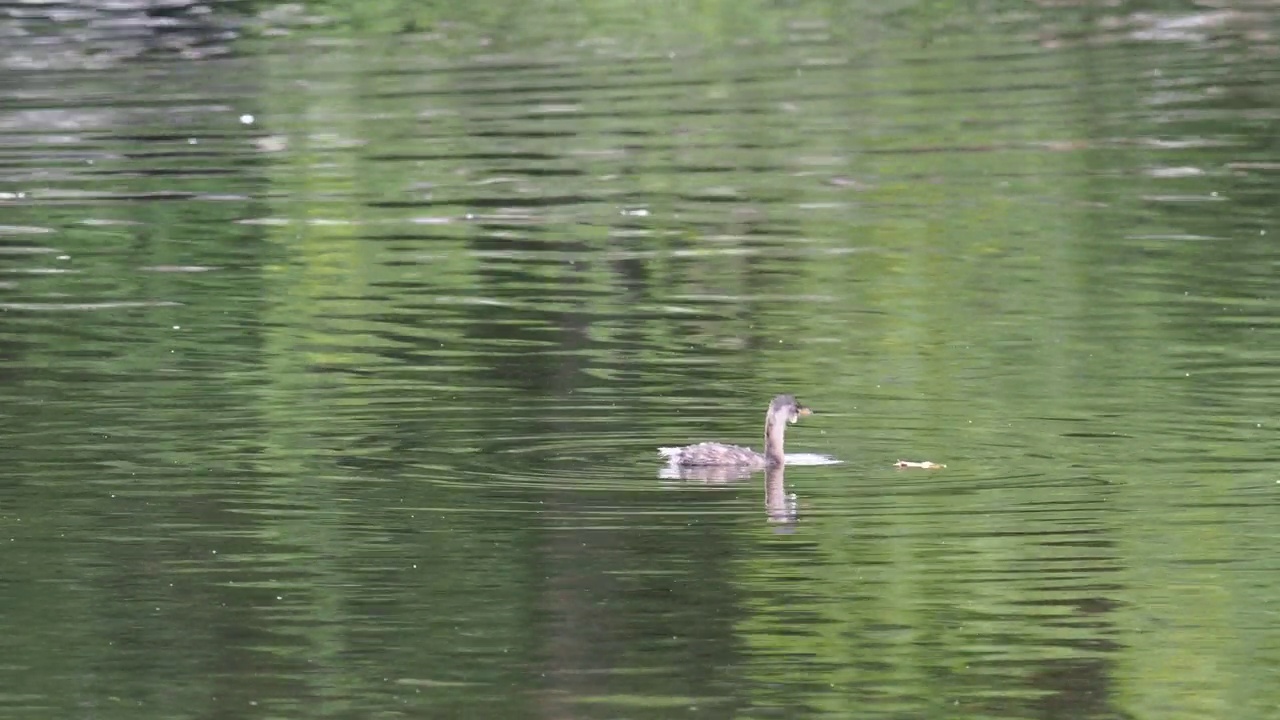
(775, 426)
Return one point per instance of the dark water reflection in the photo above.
(333, 372)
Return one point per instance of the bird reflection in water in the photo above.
(779, 505)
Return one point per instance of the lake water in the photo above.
(334, 363)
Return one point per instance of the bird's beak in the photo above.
(804, 411)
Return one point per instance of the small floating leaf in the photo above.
(925, 465)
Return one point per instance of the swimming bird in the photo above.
(784, 409)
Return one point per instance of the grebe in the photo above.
(784, 409)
